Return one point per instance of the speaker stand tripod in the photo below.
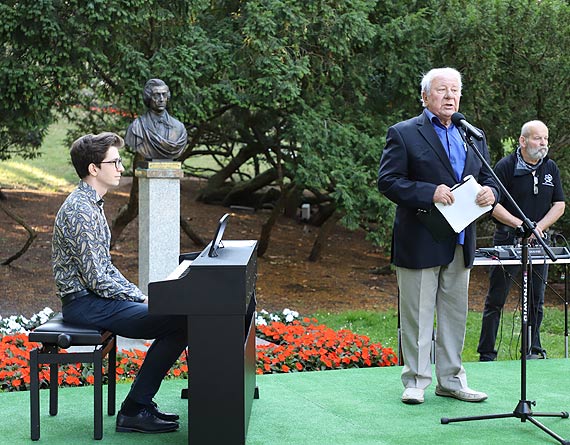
(523, 410)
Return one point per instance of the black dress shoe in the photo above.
(144, 422)
(171, 417)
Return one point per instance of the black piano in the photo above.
(215, 289)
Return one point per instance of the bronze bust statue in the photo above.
(156, 134)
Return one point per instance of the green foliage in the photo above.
(522, 62)
(307, 87)
(337, 157)
(514, 58)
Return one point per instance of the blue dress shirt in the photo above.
(455, 148)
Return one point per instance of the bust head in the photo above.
(156, 134)
(156, 95)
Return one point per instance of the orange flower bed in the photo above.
(300, 345)
(15, 370)
(307, 346)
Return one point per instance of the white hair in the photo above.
(427, 79)
(527, 128)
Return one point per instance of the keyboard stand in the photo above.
(482, 261)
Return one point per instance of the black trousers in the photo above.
(500, 282)
(132, 320)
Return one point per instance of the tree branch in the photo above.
(31, 232)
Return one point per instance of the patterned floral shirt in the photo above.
(80, 250)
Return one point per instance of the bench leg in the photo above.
(34, 396)
(53, 388)
(98, 394)
(112, 379)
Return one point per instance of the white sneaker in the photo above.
(413, 396)
(464, 394)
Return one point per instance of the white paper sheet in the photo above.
(464, 210)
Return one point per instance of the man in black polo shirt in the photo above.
(533, 180)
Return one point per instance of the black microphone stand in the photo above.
(523, 410)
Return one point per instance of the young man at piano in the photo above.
(94, 293)
(533, 180)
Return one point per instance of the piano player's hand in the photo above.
(145, 301)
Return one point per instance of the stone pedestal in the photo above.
(159, 219)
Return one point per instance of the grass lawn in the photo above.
(52, 171)
(382, 327)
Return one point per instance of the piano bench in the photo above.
(55, 335)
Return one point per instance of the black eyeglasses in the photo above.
(118, 163)
(535, 179)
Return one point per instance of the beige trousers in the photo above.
(441, 291)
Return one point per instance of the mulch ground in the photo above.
(352, 273)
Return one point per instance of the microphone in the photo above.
(459, 121)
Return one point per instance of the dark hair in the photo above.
(147, 91)
(92, 149)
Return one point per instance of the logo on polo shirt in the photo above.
(548, 180)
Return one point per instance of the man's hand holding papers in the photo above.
(466, 206)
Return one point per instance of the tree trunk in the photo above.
(196, 239)
(325, 212)
(293, 203)
(324, 232)
(243, 192)
(268, 225)
(31, 236)
(216, 181)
